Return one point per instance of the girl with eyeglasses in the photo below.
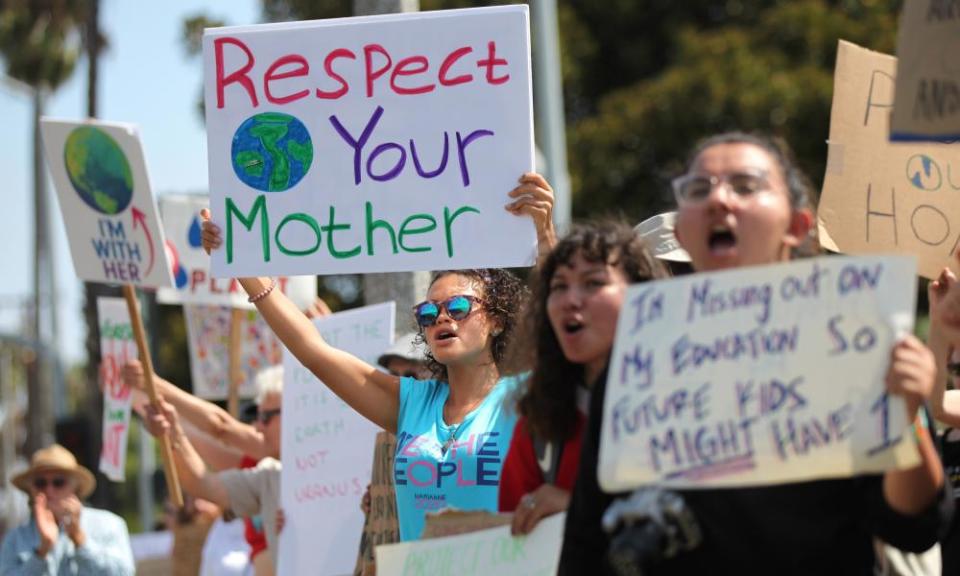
(452, 431)
(745, 203)
(568, 335)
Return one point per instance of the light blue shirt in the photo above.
(105, 552)
(440, 466)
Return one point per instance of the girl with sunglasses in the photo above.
(452, 431)
(569, 330)
(744, 203)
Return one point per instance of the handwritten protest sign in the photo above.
(193, 283)
(326, 451)
(117, 346)
(108, 208)
(927, 103)
(759, 376)
(880, 197)
(382, 525)
(208, 333)
(482, 553)
(372, 144)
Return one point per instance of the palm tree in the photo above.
(40, 44)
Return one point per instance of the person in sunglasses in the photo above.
(250, 492)
(452, 430)
(63, 536)
(569, 330)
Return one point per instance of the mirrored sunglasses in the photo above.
(457, 308)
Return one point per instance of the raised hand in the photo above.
(210, 232)
(912, 373)
(534, 197)
(47, 526)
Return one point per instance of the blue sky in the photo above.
(145, 79)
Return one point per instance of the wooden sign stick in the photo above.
(166, 450)
(235, 375)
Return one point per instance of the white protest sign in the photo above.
(107, 205)
(370, 144)
(927, 103)
(326, 450)
(193, 283)
(759, 376)
(482, 553)
(117, 346)
(208, 335)
(879, 197)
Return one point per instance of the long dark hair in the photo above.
(549, 400)
(503, 294)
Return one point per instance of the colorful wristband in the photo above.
(261, 295)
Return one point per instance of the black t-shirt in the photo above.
(823, 527)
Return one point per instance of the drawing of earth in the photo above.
(271, 152)
(98, 170)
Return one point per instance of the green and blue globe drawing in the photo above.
(98, 170)
(271, 152)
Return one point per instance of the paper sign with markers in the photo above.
(193, 283)
(927, 103)
(117, 346)
(881, 197)
(371, 144)
(326, 447)
(482, 553)
(108, 208)
(759, 376)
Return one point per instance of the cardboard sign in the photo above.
(483, 553)
(108, 208)
(117, 346)
(382, 525)
(372, 144)
(193, 283)
(759, 376)
(208, 334)
(880, 197)
(927, 104)
(326, 451)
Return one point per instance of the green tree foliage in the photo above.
(40, 40)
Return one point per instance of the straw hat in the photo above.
(657, 234)
(56, 458)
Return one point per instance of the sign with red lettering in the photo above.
(327, 448)
(373, 144)
(193, 283)
(927, 103)
(117, 346)
(881, 197)
(107, 204)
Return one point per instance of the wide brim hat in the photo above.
(56, 458)
(404, 347)
(657, 233)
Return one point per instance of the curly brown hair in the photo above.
(503, 294)
(549, 400)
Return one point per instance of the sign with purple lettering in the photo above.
(108, 208)
(759, 376)
(326, 448)
(370, 144)
(927, 103)
(192, 281)
(881, 197)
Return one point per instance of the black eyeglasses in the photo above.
(265, 416)
(694, 188)
(457, 308)
(40, 482)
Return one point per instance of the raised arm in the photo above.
(206, 417)
(191, 470)
(533, 197)
(372, 393)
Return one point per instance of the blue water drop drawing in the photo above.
(180, 276)
(193, 235)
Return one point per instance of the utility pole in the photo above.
(548, 107)
(405, 288)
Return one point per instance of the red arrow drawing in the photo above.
(139, 216)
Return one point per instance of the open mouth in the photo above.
(446, 335)
(572, 326)
(721, 238)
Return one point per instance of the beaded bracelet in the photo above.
(266, 291)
